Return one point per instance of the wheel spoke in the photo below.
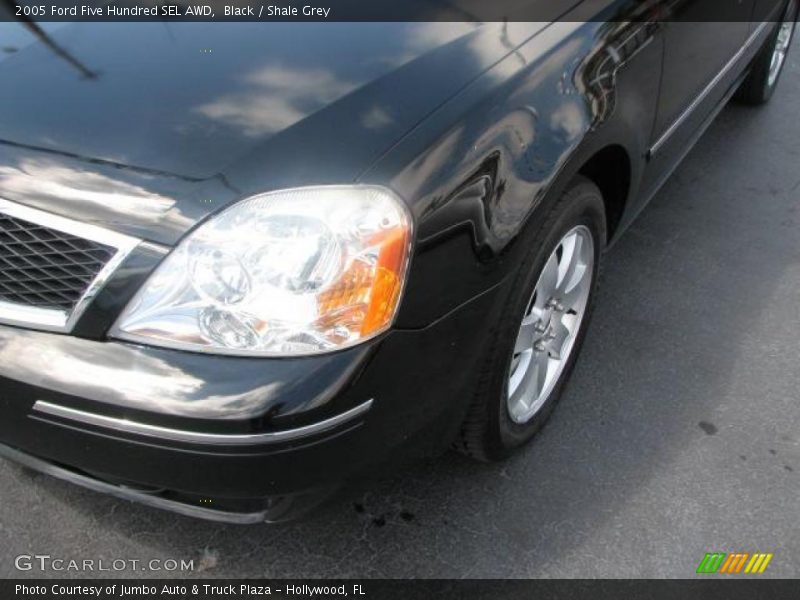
(547, 282)
(557, 344)
(569, 298)
(773, 66)
(540, 365)
(525, 336)
(571, 261)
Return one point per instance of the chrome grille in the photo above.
(45, 267)
(51, 267)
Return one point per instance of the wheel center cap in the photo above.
(554, 310)
(546, 333)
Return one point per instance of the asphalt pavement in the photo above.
(679, 434)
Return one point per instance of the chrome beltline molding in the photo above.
(126, 493)
(196, 437)
(659, 143)
(60, 320)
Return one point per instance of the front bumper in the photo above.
(231, 435)
(273, 509)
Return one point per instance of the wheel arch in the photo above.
(610, 170)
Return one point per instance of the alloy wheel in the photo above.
(782, 43)
(551, 324)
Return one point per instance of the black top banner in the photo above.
(387, 10)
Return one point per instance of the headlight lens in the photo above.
(285, 273)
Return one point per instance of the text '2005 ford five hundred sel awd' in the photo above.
(242, 263)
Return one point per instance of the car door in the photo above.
(701, 42)
(696, 49)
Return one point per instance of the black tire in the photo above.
(488, 432)
(757, 89)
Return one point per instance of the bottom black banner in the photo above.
(722, 589)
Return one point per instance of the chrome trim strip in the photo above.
(124, 493)
(706, 91)
(196, 437)
(53, 319)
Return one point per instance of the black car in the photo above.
(242, 263)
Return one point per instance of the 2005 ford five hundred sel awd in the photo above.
(241, 263)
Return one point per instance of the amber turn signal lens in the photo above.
(366, 296)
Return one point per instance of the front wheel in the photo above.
(767, 67)
(536, 343)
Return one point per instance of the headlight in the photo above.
(293, 272)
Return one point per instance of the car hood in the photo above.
(148, 127)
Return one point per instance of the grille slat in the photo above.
(46, 268)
